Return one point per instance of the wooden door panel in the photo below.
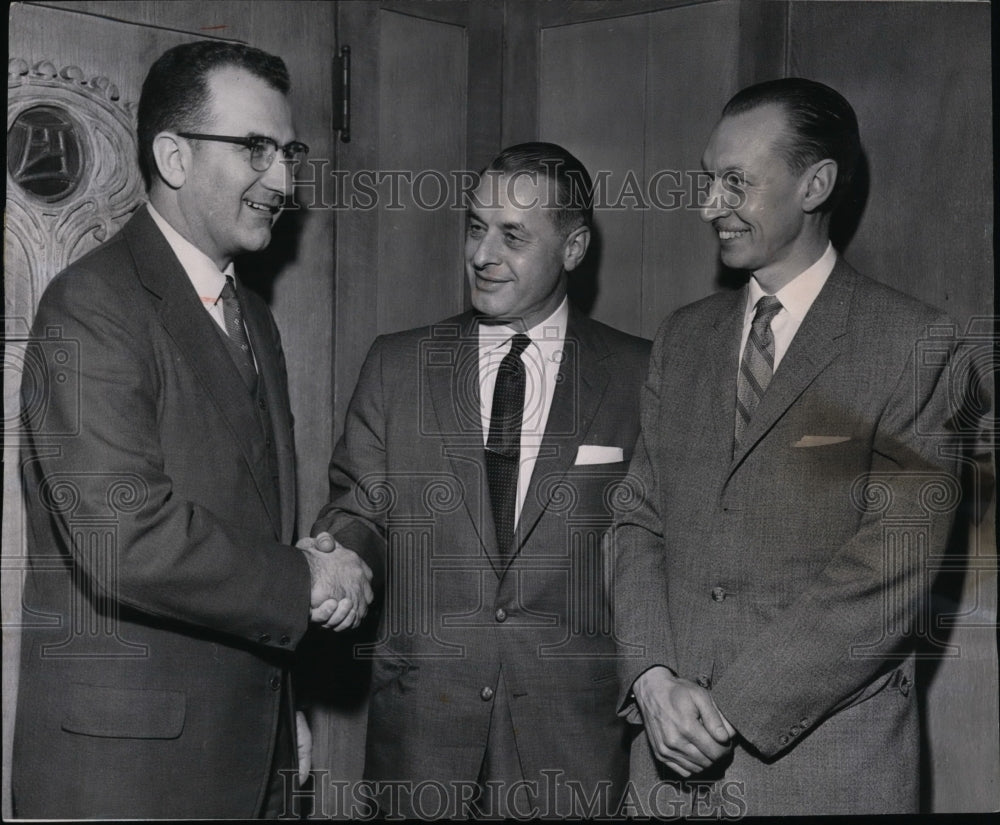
(591, 100)
(422, 136)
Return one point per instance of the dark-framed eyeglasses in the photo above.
(263, 150)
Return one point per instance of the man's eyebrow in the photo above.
(514, 226)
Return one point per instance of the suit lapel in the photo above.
(195, 335)
(578, 394)
(454, 392)
(814, 346)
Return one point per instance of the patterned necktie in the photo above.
(235, 329)
(503, 446)
(757, 365)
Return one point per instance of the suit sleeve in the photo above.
(93, 449)
(357, 471)
(857, 618)
(636, 542)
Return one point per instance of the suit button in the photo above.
(486, 694)
(704, 681)
(284, 640)
(804, 723)
(718, 594)
(501, 615)
(783, 740)
(261, 403)
(795, 730)
(275, 682)
(264, 638)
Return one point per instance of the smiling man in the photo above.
(780, 424)
(478, 460)
(164, 596)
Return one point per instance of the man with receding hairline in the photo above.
(777, 618)
(164, 597)
(478, 458)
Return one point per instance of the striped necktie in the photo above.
(757, 365)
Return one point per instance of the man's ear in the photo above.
(820, 179)
(173, 158)
(575, 247)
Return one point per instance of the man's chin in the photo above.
(486, 304)
(257, 241)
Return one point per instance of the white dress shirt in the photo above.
(796, 297)
(205, 276)
(541, 360)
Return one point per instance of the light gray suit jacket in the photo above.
(791, 576)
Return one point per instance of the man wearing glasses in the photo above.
(173, 700)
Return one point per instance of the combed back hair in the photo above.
(175, 93)
(573, 205)
(821, 125)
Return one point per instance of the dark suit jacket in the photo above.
(162, 596)
(791, 577)
(408, 491)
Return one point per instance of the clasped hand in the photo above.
(686, 730)
(341, 583)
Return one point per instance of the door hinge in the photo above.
(342, 94)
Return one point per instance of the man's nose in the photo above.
(279, 177)
(715, 204)
(486, 251)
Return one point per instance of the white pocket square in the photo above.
(820, 440)
(589, 454)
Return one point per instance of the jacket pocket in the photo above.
(124, 713)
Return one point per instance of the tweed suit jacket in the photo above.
(408, 491)
(163, 597)
(790, 575)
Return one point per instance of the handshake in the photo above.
(341, 583)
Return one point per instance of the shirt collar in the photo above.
(546, 335)
(208, 281)
(798, 294)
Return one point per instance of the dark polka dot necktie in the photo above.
(503, 446)
(233, 314)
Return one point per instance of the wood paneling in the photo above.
(692, 73)
(422, 123)
(917, 75)
(591, 100)
(635, 98)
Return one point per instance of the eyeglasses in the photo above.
(263, 150)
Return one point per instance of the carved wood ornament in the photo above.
(72, 174)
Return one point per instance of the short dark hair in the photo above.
(574, 190)
(821, 124)
(175, 94)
